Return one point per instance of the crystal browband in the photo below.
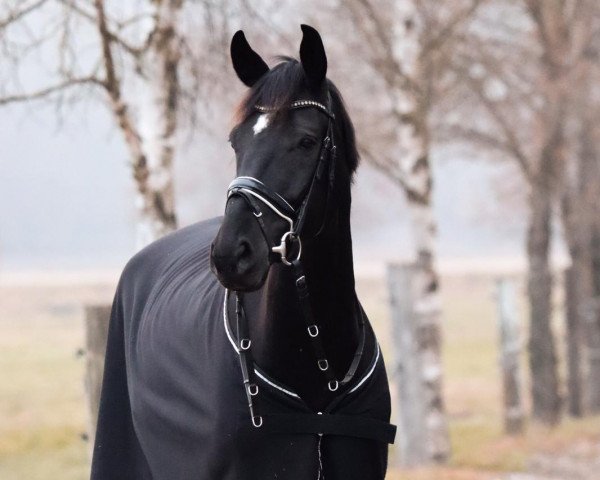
(299, 104)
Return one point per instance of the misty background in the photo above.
(66, 195)
(476, 231)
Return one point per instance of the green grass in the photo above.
(42, 406)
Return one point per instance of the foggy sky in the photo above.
(66, 197)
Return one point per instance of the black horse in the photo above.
(268, 367)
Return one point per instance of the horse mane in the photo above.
(345, 128)
(281, 86)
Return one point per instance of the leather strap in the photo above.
(259, 187)
(314, 333)
(246, 362)
(330, 424)
(326, 159)
(312, 327)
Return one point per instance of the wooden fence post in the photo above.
(97, 319)
(510, 349)
(422, 430)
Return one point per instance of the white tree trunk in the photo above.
(415, 373)
(158, 125)
(150, 140)
(413, 140)
(510, 351)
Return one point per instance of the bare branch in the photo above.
(506, 126)
(390, 169)
(135, 52)
(259, 15)
(478, 137)
(119, 107)
(19, 14)
(123, 24)
(45, 92)
(449, 28)
(385, 44)
(111, 82)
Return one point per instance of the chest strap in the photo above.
(330, 424)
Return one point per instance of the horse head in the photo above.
(285, 147)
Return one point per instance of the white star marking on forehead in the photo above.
(261, 123)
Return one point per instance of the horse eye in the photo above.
(308, 142)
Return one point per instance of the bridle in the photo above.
(256, 193)
(252, 189)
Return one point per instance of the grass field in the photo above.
(42, 409)
(42, 414)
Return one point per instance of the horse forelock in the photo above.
(276, 90)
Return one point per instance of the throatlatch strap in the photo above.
(331, 424)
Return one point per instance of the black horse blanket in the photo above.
(173, 406)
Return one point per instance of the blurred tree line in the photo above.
(510, 80)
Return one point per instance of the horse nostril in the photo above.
(244, 250)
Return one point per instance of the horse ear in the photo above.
(248, 64)
(312, 56)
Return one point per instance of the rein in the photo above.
(255, 192)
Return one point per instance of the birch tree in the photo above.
(551, 20)
(579, 204)
(404, 46)
(517, 78)
(571, 32)
(138, 59)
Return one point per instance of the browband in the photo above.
(300, 104)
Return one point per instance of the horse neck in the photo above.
(282, 344)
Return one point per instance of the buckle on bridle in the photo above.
(281, 249)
